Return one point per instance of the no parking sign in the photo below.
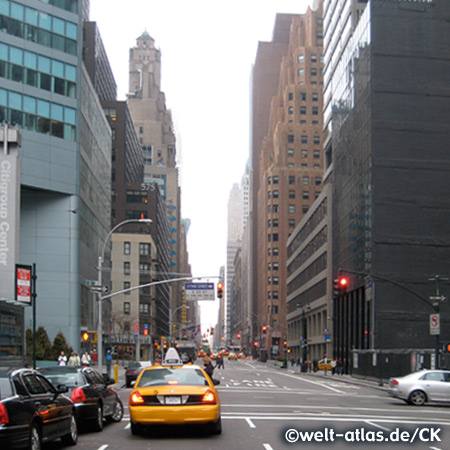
(435, 324)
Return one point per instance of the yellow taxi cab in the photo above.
(321, 364)
(174, 393)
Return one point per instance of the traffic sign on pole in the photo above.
(435, 324)
(199, 291)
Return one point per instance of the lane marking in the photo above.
(250, 423)
(376, 425)
(128, 425)
(103, 447)
(267, 446)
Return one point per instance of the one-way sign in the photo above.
(199, 291)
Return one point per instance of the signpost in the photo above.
(199, 291)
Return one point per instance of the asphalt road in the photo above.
(264, 406)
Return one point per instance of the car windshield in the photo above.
(5, 388)
(70, 379)
(165, 376)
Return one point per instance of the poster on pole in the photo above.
(23, 284)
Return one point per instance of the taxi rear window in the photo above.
(165, 376)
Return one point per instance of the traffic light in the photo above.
(264, 329)
(212, 331)
(219, 289)
(340, 285)
(89, 336)
(238, 335)
(145, 329)
(447, 348)
(85, 336)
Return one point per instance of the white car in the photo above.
(421, 387)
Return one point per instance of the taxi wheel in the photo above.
(136, 428)
(216, 427)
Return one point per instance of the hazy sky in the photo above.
(207, 52)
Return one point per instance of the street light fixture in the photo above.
(100, 286)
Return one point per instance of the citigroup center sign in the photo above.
(9, 211)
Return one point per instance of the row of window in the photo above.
(37, 26)
(37, 115)
(303, 96)
(303, 152)
(68, 5)
(313, 72)
(303, 139)
(144, 308)
(313, 58)
(291, 208)
(274, 223)
(144, 248)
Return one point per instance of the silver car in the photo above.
(420, 387)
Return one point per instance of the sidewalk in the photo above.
(369, 382)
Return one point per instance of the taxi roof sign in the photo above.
(172, 358)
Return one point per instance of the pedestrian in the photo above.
(339, 368)
(219, 363)
(74, 360)
(208, 365)
(85, 359)
(62, 359)
(333, 366)
(108, 362)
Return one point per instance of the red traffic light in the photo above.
(145, 331)
(343, 282)
(219, 289)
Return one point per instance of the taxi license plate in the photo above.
(173, 400)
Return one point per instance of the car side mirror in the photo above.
(62, 389)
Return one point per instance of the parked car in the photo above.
(92, 394)
(174, 393)
(418, 388)
(134, 369)
(33, 411)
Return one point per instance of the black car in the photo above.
(92, 394)
(134, 369)
(33, 411)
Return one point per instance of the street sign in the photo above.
(435, 325)
(102, 289)
(91, 282)
(199, 291)
(438, 298)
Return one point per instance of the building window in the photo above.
(275, 208)
(291, 110)
(144, 268)
(290, 152)
(144, 249)
(304, 153)
(315, 111)
(275, 295)
(305, 209)
(301, 59)
(144, 308)
(303, 96)
(275, 222)
(290, 96)
(275, 194)
(275, 237)
(313, 72)
(313, 58)
(305, 195)
(275, 266)
(269, 238)
(127, 248)
(291, 223)
(316, 140)
(126, 268)
(269, 252)
(305, 181)
(291, 179)
(275, 251)
(302, 109)
(291, 194)
(315, 97)
(126, 308)
(274, 309)
(318, 181)
(269, 180)
(269, 194)
(290, 138)
(304, 139)
(291, 209)
(301, 72)
(275, 179)
(269, 280)
(126, 285)
(316, 154)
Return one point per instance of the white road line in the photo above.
(103, 447)
(379, 426)
(314, 382)
(128, 425)
(267, 446)
(250, 423)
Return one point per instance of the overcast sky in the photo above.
(207, 51)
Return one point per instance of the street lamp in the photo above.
(171, 314)
(100, 287)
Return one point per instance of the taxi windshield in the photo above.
(165, 376)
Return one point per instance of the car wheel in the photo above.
(35, 437)
(71, 438)
(117, 414)
(417, 398)
(97, 425)
(216, 427)
(136, 428)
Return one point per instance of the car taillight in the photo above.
(3, 414)
(209, 397)
(395, 382)
(136, 399)
(78, 395)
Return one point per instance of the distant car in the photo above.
(418, 388)
(33, 411)
(232, 355)
(174, 393)
(92, 394)
(321, 364)
(134, 369)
